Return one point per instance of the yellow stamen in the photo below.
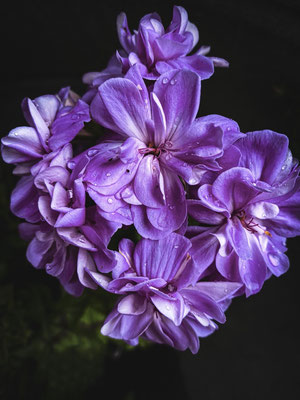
(267, 233)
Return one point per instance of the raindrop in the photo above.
(108, 174)
(168, 308)
(92, 152)
(283, 167)
(165, 81)
(171, 288)
(225, 290)
(274, 259)
(110, 200)
(81, 239)
(254, 184)
(75, 117)
(16, 134)
(71, 164)
(173, 82)
(264, 215)
(146, 101)
(198, 143)
(171, 207)
(70, 193)
(139, 87)
(176, 246)
(192, 181)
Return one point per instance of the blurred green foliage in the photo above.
(51, 346)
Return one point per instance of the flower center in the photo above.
(155, 151)
(250, 224)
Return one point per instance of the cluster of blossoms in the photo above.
(212, 206)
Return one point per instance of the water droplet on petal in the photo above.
(81, 239)
(192, 181)
(15, 134)
(108, 174)
(283, 167)
(75, 117)
(139, 87)
(254, 184)
(70, 193)
(173, 82)
(171, 207)
(274, 259)
(176, 246)
(165, 81)
(71, 164)
(92, 152)
(110, 200)
(168, 308)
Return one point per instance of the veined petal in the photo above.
(179, 95)
(120, 107)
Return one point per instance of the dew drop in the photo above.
(110, 200)
(254, 184)
(75, 117)
(264, 215)
(176, 246)
(108, 174)
(198, 143)
(173, 82)
(139, 87)
(283, 167)
(81, 239)
(16, 134)
(146, 101)
(171, 288)
(70, 193)
(165, 81)
(274, 259)
(92, 152)
(171, 207)
(168, 308)
(192, 181)
(71, 164)
(225, 290)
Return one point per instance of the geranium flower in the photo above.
(156, 50)
(159, 140)
(249, 211)
(161, 299)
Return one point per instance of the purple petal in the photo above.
(21, 145)
(133, 304)
(24, 200)
(162, 258)
(119, 106)
(264, 153)
(146, 182)
(179, 95)
(67, 124)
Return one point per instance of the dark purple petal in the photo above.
(147, 182)
(67, 124)
(24, 200)
(161, 259)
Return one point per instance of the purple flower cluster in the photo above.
(213, 206)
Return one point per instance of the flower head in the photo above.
(161, 299)
(250, 210)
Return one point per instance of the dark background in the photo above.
(50, 342)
